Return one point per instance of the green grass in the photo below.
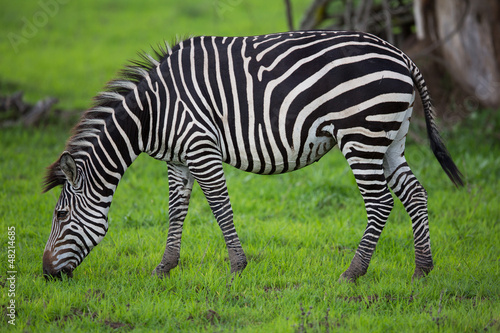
(299, 230)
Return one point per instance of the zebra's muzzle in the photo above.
(50, 273)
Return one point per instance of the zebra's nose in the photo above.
(47, 274)
(50, 274)
(48, 269)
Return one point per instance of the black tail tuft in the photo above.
(444, 157)
(437, 145)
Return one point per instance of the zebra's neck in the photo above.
(104, 147)
(120, 126)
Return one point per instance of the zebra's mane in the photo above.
(114, 93)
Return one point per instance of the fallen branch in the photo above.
(14, 110)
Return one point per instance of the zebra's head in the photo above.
(79, 222)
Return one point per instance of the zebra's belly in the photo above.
(289, 158)
(313, 150)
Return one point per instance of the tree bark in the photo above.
(465, 34)
(471, 51)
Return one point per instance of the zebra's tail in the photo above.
(436, 143)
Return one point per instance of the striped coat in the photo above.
(264, 104)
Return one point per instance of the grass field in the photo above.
(299, 230)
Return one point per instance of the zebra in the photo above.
(267, 104)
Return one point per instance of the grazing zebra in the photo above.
(264, 104)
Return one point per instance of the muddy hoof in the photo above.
(160, 273)
(346, 277)
(238, 267)
(421, 272)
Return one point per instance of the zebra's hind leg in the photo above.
(367, 166)
(180, 184)
(414, 198)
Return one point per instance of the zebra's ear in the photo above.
(68, 167)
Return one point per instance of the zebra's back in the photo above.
(279, 102)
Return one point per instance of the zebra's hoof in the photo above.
(160, 273)
(421, 272)
(238, 260)
(346, 277)
(238, 267)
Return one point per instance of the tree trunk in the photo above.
(468, 33)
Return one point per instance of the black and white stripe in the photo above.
(264, 104)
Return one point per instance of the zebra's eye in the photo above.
(62, 214)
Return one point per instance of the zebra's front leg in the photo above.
(180, 184)
(378, 203)
(209, 174)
